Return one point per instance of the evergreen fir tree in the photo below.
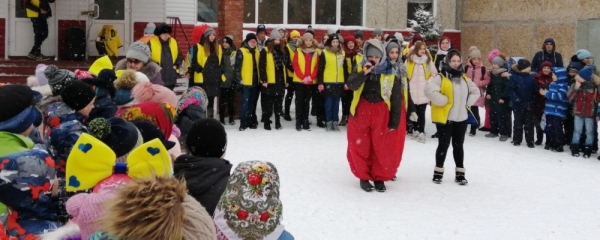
(425, 24)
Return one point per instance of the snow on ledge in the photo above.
(318, 27)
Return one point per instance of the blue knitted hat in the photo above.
(561, 73)
(586, 73)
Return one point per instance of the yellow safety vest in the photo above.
(291, 53)
(410, 67)
(334, 67)
(357, 60)
(386, 81)
(302, 64)
(247, 68)
(270, 66)
(201, 60)
(31, 13)
(439, 114)
(156, 49)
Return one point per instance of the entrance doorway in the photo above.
(21, 34)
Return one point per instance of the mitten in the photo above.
(413, 117)
(321, 88)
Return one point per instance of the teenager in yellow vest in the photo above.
(373, 127)
(292, 44)
(169, 60)
(38, 11)
(420, 68)
(207, 68)
(245, 71)
(353, 57)
(227, 98)
(305, 76)
(331, 77)
(273, 65)
(452, 94)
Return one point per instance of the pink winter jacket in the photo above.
(418, 82)
(481, 81)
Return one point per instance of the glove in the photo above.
(346, 87)
(413, 117)
(321, 88)
(307, 80)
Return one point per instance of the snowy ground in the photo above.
(513, 192)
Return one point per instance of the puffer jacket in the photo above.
(541, 82)
(522, 89)
(104, 105)
(584, 99)
(464, 93)
(557, 102)
(481, 78)
(418, 82)
(152, 70)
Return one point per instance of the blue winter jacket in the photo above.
(522, 90)
(557, 102)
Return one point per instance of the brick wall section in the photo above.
(231, 19)
(63, 26)
(2, 37)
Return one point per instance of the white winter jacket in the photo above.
(418, 81)
(465, 93)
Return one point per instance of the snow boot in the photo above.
(460, 176)
(231, 122)
(530, 145)
(539, 141)
(344, 121)
(503, 138)
(278, 124)
(306, 125)
(268, 125)
(379, 186)
(434, 135)
(491, 135)
(366, 186)
(587, 152)
(558, 149)
(484, 129)
(395, 178)
(329, 127)
(574, 150)
(222, 120)
(287, 117)
(211, 113)
(336, 127)
(321, 124)
(438, 174)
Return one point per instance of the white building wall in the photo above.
(184, 9)
(70, 9)
(3, 10)
(148, 11)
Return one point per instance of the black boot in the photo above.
(210, 113)
(287, 117)
(574, 150)
(267, 126)
(222, 120)
(306, 125)
(366, 185)
(298, 125)
(278, 124)
(587, 152)
(231, 121)
(321, 124)
(379, 186)
(460, 177)
(539, 141)
(438, 174)
(344, 121)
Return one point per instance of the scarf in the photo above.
(309, 50)
(250, 207)
(399, 69)
(419, 60)
(160, 114)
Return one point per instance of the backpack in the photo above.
(482, 70)
(76, 44)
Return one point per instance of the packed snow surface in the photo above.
(513, 192)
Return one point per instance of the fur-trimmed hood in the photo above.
(515, 68)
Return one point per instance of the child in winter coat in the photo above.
(155, 208)
(250, 207)
(103, 85)
(204, 169)
(584, 96)
(273, 64)
(420, 69)
(227, 99)
(124, 84)
(498, 100)
(543, 79)
(305, 64)
(555, 110)
(572, 70)
(246, 76)
(28, 174)
(477, 73)
(331, 77)
(190, 108)
(522, 92)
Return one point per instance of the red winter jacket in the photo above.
(584, 100)
(541, 81)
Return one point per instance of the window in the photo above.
(208, 10)
(325, 12)
(413, 5)
(299, 11)
(250, 11)
(270, 11)
(352, 13)
(111, 10)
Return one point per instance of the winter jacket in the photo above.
(186, 119)
(228, 68)
(281, 64)
(370, 87)
(25, 188)
(481, 78)
(206, 178)
(554, 57)
(332, 89)
(418, 73)
(522, 90)
(541, 82)
(584, 99)
(211, 71)
(151, 69)
(64, 125)
(498, 89)
(239, 67)
(104, 105)
(557, 102)
(13, 143)
(440, 89)
(168, 74)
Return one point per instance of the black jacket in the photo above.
(44, 4)
(186, 119)
(104, 106)
(282, 64)
(206, 178)
(372, 93)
